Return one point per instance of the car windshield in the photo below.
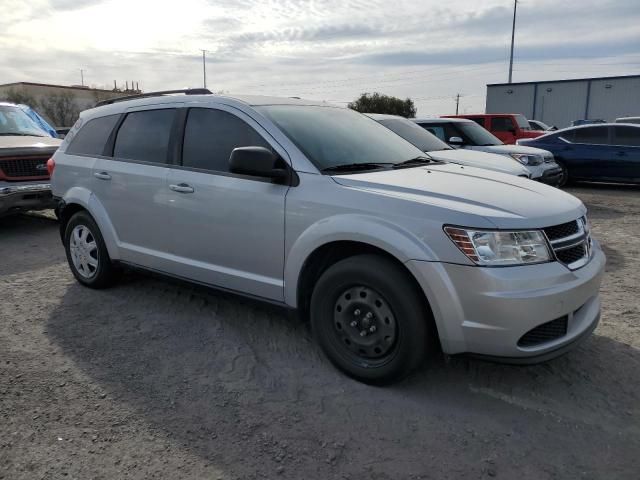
(13, 121)
(331, 136)
(538, 125)
(523, 123)
(478, 136)
(414, 134)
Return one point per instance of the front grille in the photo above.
(24, 167)
(571, 255)
(545, 332)
(570, 242)
(561, 231)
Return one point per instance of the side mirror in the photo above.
(512, 131)
(256, 161)
(456, 141)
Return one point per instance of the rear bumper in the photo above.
(487, 311)
(23, 196)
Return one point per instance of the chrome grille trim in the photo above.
(581, 238)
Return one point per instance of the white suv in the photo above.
(321, 209)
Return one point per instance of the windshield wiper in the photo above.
(415, 162)
(347, 167)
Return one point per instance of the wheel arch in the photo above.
(81, 199)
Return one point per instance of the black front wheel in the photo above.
(564, 177)
(370, 319)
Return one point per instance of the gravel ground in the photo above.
(158, 379)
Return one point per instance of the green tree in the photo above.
(380, 103)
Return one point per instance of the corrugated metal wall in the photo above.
(561, 102)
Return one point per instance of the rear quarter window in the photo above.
(92, 136)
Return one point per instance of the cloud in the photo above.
(316, 47)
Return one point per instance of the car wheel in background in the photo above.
(370, 319)
(87, 253)
(564, 178)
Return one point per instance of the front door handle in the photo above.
(102, 175)
(621, 154)
(182, 188)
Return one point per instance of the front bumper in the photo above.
(22, 196)
(486, 311)
(549, 173)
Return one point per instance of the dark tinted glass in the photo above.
(145, 136)
(414, 134)
(93, 136)
(502, 124)
(628, 136)
(211, 135)
(331, 136)
(479, 121)
(591, 135)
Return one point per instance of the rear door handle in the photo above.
(621, 154)
(182, 188)
(102, 175)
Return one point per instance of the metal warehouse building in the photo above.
(560, 102)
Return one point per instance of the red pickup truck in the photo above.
(508, 127)
(24, 151)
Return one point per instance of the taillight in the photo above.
(51, 164)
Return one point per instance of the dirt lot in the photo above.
(155, 379)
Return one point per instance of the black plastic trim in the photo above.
(543, 357)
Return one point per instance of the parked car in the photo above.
(584, 121)
(320, 209)
(538, 125)
(508, 127)
(466, 134)
(24, 151)
(438, 150)
(628, 120)
(601, 153)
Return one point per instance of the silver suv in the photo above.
(323, 210)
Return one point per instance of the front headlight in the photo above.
(501, 248)
(527, 159)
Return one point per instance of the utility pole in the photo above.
(82, 77)
(204, 69)
(457, 103)
(513, 36)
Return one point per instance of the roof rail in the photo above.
(186, 91)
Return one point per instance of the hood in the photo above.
(505, 201)
(531, 133)
(509, 149)
(478, 159)
(27, 142)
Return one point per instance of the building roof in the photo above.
(73, 87)
(563, 81)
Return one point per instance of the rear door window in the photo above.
(144, 136)
(479, 121)
(626, 136)
(591, 135)
(211, 135)
(502, 124)
(93, 136)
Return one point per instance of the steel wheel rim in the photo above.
(364, 324)
(84, 251)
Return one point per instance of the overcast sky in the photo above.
(322, 49)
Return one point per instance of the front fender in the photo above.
(391, 238)
(87, 200)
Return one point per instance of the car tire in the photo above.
(87, 253)
(370, 319)
(564, 179)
